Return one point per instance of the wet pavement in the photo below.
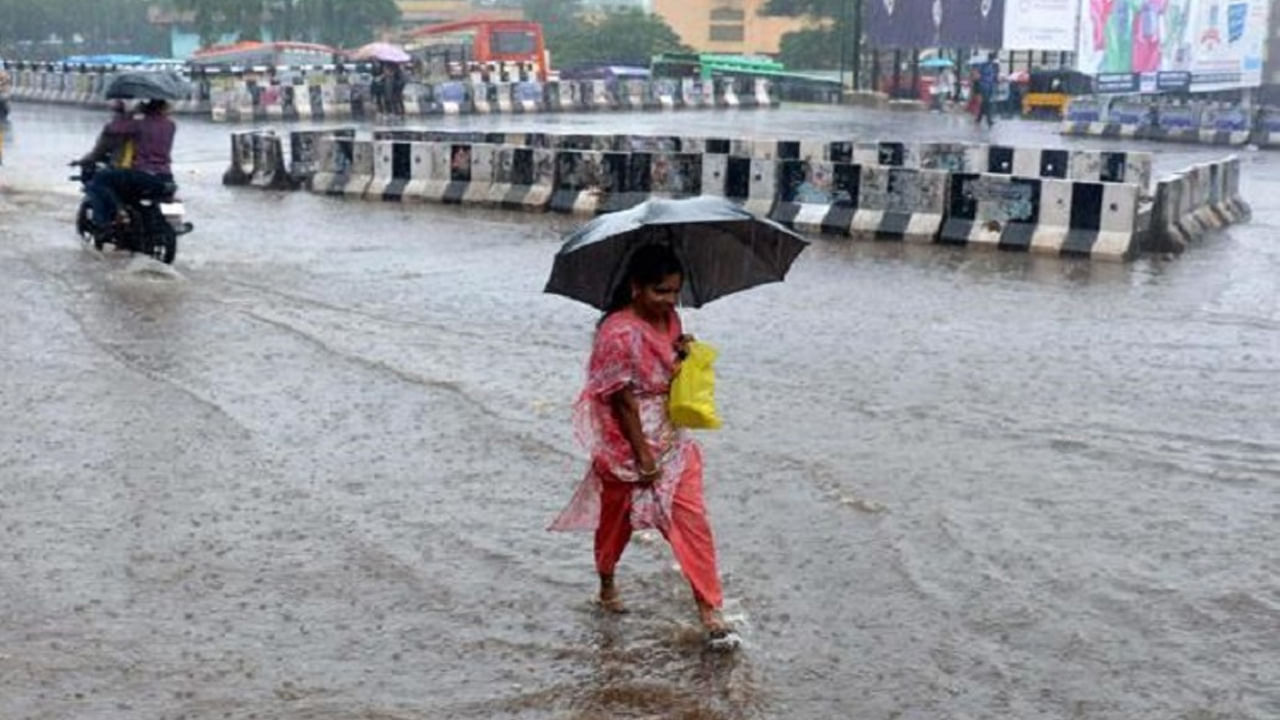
(306, 472)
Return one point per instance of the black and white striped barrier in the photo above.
(1225, 126)
(1175, 123)
(900, 204)
(257, 159)
(1266, 132)
(816, 196)
(1088, 117)
(303, 158)
(1067, 217)
(750, 181)
(1195, 201)
(1042, 215)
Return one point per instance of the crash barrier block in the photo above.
(1043, 215)
(1092, 118)
(302, 150)
(257, 159)
(1266, 132)
(450, 173)
(751, 181)
(1177, 123)
(1195, 201)
(344, 166)
(1225, 126)
(589, 182)
(265, 94)
(900, 204)
(868, 202)
(726, 93)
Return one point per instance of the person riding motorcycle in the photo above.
(150, 174)
(112, 150)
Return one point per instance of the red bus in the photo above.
(482, 43)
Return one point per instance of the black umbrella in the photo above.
(147, 86)
(722, 247)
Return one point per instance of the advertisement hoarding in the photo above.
(1040, 25)
(1221, 43)
(936, 23)
(900, 23)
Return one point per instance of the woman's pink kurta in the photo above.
(629, 353)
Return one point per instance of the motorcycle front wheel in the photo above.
(84, 226)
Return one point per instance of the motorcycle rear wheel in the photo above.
(158, 238)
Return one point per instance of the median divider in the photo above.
(1067, 203)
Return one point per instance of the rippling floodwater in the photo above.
(305, 474)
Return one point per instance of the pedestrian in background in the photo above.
(988, 74)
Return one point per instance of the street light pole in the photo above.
(844, 34)
(857, 42)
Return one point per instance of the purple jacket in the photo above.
(152, 137)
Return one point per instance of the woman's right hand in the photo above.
(647, 468)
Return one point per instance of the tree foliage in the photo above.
(79, 26)
(626, 37)
(344, 23)
(811, 49)
(341, 23)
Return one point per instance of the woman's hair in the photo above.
(154, 107)
(648, 265)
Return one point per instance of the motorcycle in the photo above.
(150, 224)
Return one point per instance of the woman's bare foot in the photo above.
(711, 620)
(610, 600)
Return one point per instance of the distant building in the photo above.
(727, 26)
(604, 6)
(1269, 93)
(415, 13)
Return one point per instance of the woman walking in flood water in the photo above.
(644, 472)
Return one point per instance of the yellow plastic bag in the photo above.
(692, 403)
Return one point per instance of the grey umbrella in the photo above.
(147, 86)
(723, 248)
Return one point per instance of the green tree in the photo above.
(810, 49)
(552, 14)
(814, 48)
(216, 18)
(345, 23)
(628, 37)
(82, 26)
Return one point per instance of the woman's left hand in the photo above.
(682, 346)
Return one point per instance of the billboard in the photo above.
(1219, 43)
(900, 23)
(935, 23)
(1040, 24)
(964, 23)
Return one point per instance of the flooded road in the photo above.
(306, 472)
